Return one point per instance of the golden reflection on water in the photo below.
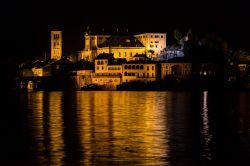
(125, 127)
(47, 132)
(56, 145)
(35, 104)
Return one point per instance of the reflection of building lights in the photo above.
(56, 128)
(36, 105)
(109, 121)
(205, 130)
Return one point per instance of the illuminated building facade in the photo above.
(107, 72)
(154, 42)
(177, 69)
(56, 45)
(123, 46)
(139, 71)
(110, 72)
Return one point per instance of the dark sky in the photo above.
(26, 25)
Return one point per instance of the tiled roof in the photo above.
(140, 56)
(105, 56)
(122, 41)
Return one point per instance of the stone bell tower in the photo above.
(56, 45)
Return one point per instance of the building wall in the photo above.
(180, 70)
(101, 66)
(82, 78)
(153, 41)
(122, 52)
(88, 55)
(26, 73)
(56, 45)
(139, 72)
(37, 72)
(108, 76)
(93, 41)
(107, 81)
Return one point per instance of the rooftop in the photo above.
(122, 41)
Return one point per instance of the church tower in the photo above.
(56, 45)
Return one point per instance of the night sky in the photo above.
(23, 22)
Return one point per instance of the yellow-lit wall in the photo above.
(107, 75)
(101, 66)
(56, 45)
(82, 78)
(93, 41)
(139, 72)
(37, 72)
(88, 55)
(242, 67)
(91, 44)
(108, 81)
(122, 52)
(166, 69)
(153, 41)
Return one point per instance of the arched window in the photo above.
(141, 67)
(133, 67)
(125, 67)
(125, 74)
(129, 66)
(137, 67)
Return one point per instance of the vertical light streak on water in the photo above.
(207, 137)
(56, 144)
(36, 107)
(84, 115)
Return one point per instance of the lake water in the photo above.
(125, 128)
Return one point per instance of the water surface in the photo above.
(125, 128)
